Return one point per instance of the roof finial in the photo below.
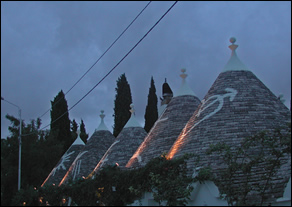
(184, 89)
(102, 115)
(183, 75)
(232, 40)
(234, 63)
(233, 46)
(78, 140)
(165, 80)
(132, 122)
(101, 125)
(132, 110)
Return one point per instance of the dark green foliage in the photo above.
(39, 155)
(263, 151)
(83, 134)
(168, 180)
(74, 126)
(29, 197)
(9, 168)
(113, 186)
(151, 113)
(60, 123)
(122, 103)
(204, 174)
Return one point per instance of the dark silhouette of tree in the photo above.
(151, 113)
(39, 154)
(60, 122)
(122, 104)
(83, 134)
(74, 127)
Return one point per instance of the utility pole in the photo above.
(19, 141)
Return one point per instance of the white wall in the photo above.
(286, 199)
(205, 194)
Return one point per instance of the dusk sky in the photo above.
(47, 46)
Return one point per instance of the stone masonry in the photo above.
(237, 105)
(91, 154)
(166, 129)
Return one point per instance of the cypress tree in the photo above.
(122, 104)
(83, 134)
(60, 126)
(151, 112)
(74, 127)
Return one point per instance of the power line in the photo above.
(112, 68)
(99, 57)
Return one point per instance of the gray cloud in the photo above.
(48, 46)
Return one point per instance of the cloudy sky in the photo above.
(47, 46)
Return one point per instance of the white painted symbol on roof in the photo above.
(64, 159)
(139, 158)
(77, 164)
(218, 98)
(104, 159)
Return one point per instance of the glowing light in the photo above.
(101, 189)
(34, 188)
(140, 149)
(54, 184)
(77, 164)
(46, 179)
(24, 203)
(83, 177)
(178, 143)
(66, 175)
(63, 200)
(64, 178)
(103, 159)
(41, 199)
(117, 164)
(64, 158)
(143, 145)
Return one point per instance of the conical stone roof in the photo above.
(167, 128)
(91, 154)
(237, 105)
(65, 162)
(125, 144)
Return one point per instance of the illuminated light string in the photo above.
(110, 70)
(231, 93)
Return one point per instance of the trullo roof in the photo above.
(168, 126)
(125, 144)
(65, 162)
(91, 154)
(236, 106)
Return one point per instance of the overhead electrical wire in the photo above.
(111, 69)
(94, 63)
(99, 58)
